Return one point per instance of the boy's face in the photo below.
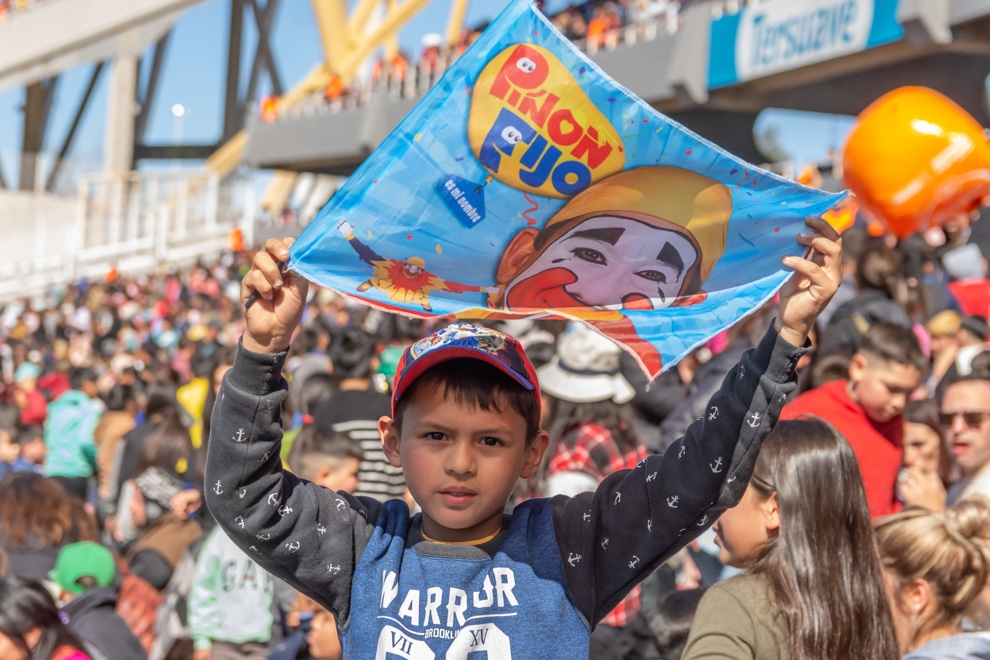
(461, 463)
(881, 387)
(340, 475)
(323, 641)
(34, 450)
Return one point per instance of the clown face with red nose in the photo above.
(645, 238)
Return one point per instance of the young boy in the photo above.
(463, 579)
(328, 458)
(867, 408)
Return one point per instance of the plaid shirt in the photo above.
(591, 449)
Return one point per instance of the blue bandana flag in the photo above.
(527, 183)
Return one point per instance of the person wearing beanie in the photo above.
(27, 395)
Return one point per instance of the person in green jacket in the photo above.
(69, 425)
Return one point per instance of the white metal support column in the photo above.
(118, 146)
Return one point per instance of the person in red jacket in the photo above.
(867, 408)
(30, 400)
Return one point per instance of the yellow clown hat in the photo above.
(676, 199)
(419, 262)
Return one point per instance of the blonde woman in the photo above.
(935, 565)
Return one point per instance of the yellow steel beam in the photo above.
(395, 18)
(359, 19)
(224, 160)
(456, 20)
(343, 56)
(331, 19)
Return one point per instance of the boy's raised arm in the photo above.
(610, 540)
(303, 533)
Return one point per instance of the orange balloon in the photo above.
(915, 160)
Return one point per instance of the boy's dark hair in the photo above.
(670, 624)
(976, 326)
(473, 382)
(894, 343)
(29, 433)
(829, 367)
(314, 448)
(79, 376)
(315, 390)
(879, 268)
(351, 351)
(87, 582)
(118, 397)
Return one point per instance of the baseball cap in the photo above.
(78, 560)
(463, 340)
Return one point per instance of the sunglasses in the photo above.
(972, 419)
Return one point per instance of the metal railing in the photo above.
(134, 222)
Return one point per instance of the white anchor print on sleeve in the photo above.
(217, 488)
(680, 453)
(320, 529)
(635, 562)
(754, 420)
(242, 493)
(587, 516)
(672, 501)
(605, 544)
(652, 476)
(333, 570)
(573, 559)
(341, 504)
(239, 438)
(240, 521)
(649, 525)
(618, 498)
(713, 415)
(704, 519)
(273, 499)
(716, 467)
(263, 537)
(284, 510)
(293, 547)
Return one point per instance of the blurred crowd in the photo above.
(108, 388)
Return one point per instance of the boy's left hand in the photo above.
(816, 279)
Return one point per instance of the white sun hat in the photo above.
(585, 369)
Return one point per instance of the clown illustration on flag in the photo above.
(527, 183)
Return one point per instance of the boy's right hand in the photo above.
(274, 316)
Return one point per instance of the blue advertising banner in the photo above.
(527, 183)
(778, 35)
